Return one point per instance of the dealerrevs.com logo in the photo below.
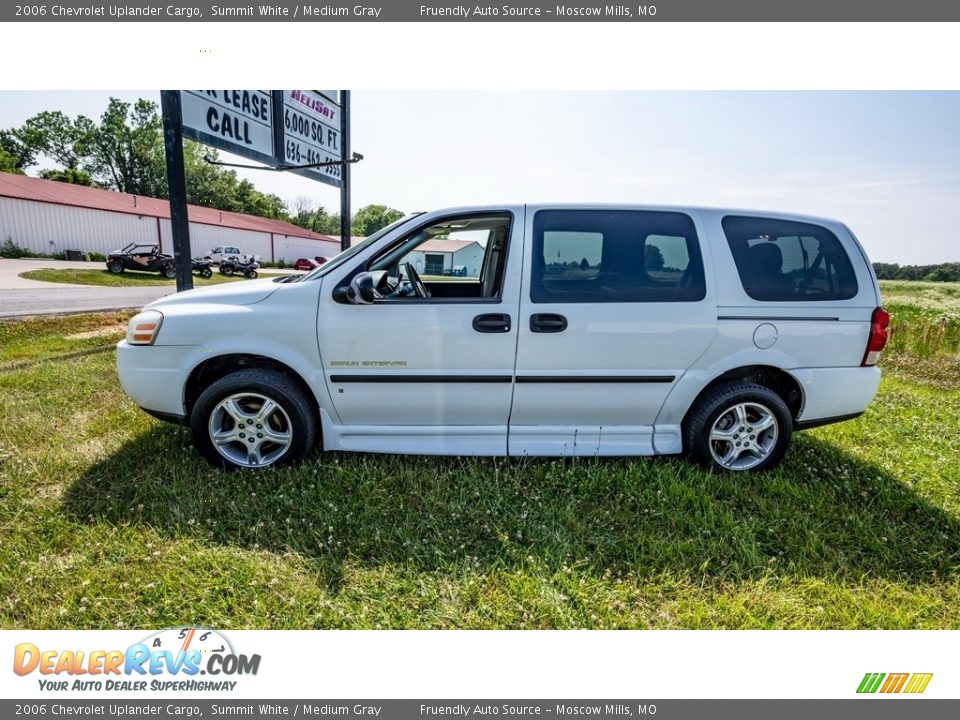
(171, 659)
(889, 683)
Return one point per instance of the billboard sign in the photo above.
(237, 121)
(311, 134)
(274, 127)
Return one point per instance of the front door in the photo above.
(614, 309)
(427, 374)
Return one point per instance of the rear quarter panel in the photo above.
(807, 334)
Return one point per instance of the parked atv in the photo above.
(234, 266)
(202, 268)
(146, 258)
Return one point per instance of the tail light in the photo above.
(879, 322)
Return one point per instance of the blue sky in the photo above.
(886, 163)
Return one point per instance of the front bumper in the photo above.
(154, 376)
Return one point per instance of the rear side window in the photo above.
(783, 260)
(582, 256)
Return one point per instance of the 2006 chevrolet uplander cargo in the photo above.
(578, 330)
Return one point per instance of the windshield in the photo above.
(340, 259)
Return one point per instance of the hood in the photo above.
(241, 292)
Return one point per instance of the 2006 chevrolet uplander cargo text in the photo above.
(578, 330)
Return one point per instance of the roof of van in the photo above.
(684, 209)
(707, 209)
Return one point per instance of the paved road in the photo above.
(67, 299)
(20, 296)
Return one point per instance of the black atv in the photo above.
(234, 266)
(202, 267)
(146, 258)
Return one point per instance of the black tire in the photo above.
(169, 272)
(721, 402)
(291, 399)
(226, 270)
(116, 267)
(251, 274)
(206, 273)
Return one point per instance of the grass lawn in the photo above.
(109, 519)
(105, 278)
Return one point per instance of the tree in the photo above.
(254, 202)
(944, 272)
(8, 163)
(302, 212)
(15, 156)
(68, 175)
(124, 151)
(55, 136)
(584, 264)
(653, 258)
(371, 218)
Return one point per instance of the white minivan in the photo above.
(585, 330)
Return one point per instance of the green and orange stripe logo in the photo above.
(894, 683)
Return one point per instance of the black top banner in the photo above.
(523, 11)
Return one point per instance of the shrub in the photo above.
(11, 250)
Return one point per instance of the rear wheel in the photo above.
(169, 272)
(116, 267)
(739, 427)
(253, 419)
(206, 272)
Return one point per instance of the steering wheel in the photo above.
(415, 282)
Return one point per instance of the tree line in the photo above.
(944, 272)
(123, 151)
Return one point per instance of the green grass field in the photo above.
(105, 278)
(109, 519)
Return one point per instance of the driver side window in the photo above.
(459, 258)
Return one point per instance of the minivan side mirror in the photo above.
(362, 286)
(359, 292)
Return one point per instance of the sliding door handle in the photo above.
(547, 323)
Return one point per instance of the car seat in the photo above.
(766, 260)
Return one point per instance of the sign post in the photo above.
(177, 183)
(345, 180)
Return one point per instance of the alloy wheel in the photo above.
(743, 436)
(250, 429)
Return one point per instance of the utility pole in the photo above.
(177, 183)
(345, 177)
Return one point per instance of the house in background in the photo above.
(448, 257)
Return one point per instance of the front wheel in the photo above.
(226, 270)
(116, 267)
(253, 419)
(169, 272)
(738, 427)
(251, 274)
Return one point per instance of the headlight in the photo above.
(143, 328)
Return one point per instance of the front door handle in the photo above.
(492, 323)
(547, 323)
